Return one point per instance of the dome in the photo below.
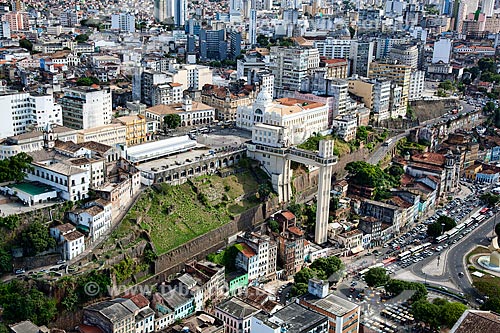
(264, 96)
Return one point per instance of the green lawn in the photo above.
(173, 215)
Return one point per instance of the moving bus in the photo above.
(480, 218)
(388, 261)
(404, 255)
(441, 238)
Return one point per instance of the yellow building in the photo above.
(399, 74)
(136, 128)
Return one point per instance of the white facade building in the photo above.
(96, 217)
(417, 85)
(123, 22)
(86, 107)
(442, 51)
(70, 241)
(298, 118)
(333, 48)
(22, 112)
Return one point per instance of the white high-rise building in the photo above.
(21, 112)
(86, 107)
(170, 9)
(442, 51)
(488, 7)
(290, 67)
(123, 22)
(417, 85)
(252, 28)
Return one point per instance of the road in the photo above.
(455, 259)
(381, 152)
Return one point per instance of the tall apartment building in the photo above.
(266, 251)
(170, 9)
(191, 76)
(86, 107)
(417, 85)
(400, 75)
(289, 66)
(333, 48)
(69, 18)
(339, 90)
(405, 54)
(335, 68)
(123, 22)
(18, 21)
(22, 112)
(375, 94)
(384, 46)
(361, 55)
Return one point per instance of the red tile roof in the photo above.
(246, 250)
(288, 215)
(89, 329)
(138, 300)
(297, 231)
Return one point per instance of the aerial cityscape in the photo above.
(250, 166)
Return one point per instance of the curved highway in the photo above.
(454, 259)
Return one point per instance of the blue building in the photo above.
(212, 45)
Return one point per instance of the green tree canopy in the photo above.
(326, 267)
(273, 225)
(82, 38)
(14, 168)
(426, 312)
(436, 229)
(376, 277)
(497, 230)
(490, 199)
(396, 287)
(446, 85)
(5, 261)
(304, 275)
(26, 44)
(36, 239)
(492, 304)
(172, 121)
(21, 301)
(451, 312)
(299, 289)
(87, 81)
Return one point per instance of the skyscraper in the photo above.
(488, 7)
(170, 9)
(252, 29)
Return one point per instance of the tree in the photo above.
(82, 38)
(264, 191)
(451, 312)
(171, 121)
(26, 44)
(5, 261)
(376, 277)
(299, 289)
(326, 267)
(14, 168)
(36, 239)
(426, 312)
(490, 199)
(273, 225)
(303, 276)
(396, 287)
(497, 230)
(87, 81)
(362, 133)
(492, 304)
(436, 229)
(446, 85)
(263, 41)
